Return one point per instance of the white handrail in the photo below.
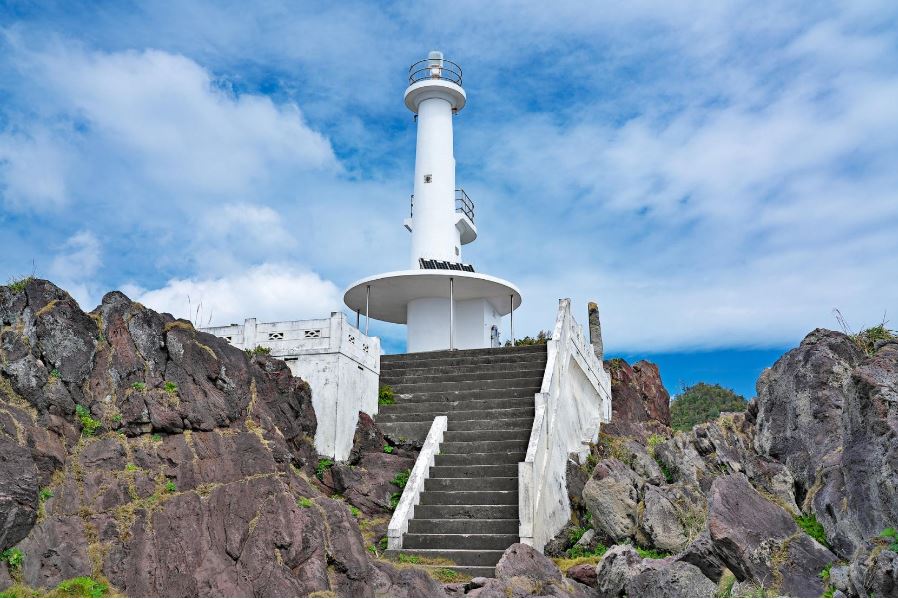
(411, 495)
(573, 401)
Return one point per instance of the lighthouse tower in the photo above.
(443, 301)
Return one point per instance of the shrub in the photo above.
(356, 512)
(258, 351)
(139, 386)
(542, 337)
(385, 396)
(394, 500)
(323, 464)
(89, 425)
(701, 403)
(575, 534)
(55, 374)
(156, 437)
(890, 534)
(170, 387)
(170, 486)
(45, 494)
(401, 478)
(14, 557)
(304, 502)
(581, 551)
(18, 285)
(651, 553)
(809, 524)
(83, 586)
(654, 441)
(388, 448)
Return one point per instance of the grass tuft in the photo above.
(385, 396)
(809, 524)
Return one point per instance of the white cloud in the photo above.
(75, 265)
(155, 118)
(268, 292)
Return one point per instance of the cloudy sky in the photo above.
(719, 176)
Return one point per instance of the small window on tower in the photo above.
(428, 178)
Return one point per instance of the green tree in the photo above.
(703, 402)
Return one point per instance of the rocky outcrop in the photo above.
(830, 414)
(524, 572)
(612, 497)
(641, 404)
(170, 462)
(365, 480)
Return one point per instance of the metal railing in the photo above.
(434, 68)
(463, 204)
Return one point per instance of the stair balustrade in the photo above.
(573, 401)
(411, 495)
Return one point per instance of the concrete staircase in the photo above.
(468, 512)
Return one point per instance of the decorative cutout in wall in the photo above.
(275, 336)
(312, 334)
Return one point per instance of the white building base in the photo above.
(340, 363)
(428, 324)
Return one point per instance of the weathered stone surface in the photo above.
(670, 517)
(759, 540)
(641, 404)
(523, 560)
(612, 497)
(618, 566)
(700, 553)
(872, 573)
(673, 579)
(18, 492)
(583, 573)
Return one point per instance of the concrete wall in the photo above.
(340, 363)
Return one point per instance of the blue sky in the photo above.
(719, 176)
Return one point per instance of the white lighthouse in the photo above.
(444, 302)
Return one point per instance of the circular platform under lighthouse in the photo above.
(432, 303)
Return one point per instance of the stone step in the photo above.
(455, 526)
(479, 354)
(507, 483)
(465, 447)
(460, 362)
(463, 415)
(475, 471)
(482, 425)
(459, 557)
(418, 430)
(521, 434)
(471, 459)
(466, 512)
(452, 395)
(469, 498)
(436, 384)
(496, 372)
(454, 407)
(410, 542)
